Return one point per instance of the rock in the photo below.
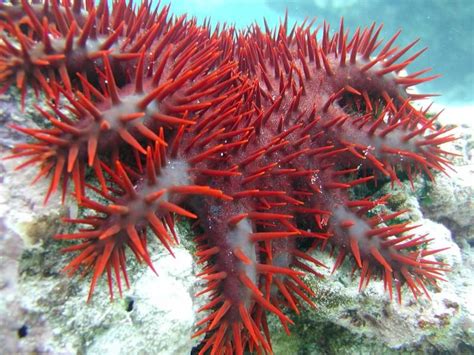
(24, 223)
(450, 200)
(158, 312)
(10, 314)
(162, 311)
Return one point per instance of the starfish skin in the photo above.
(259, 136)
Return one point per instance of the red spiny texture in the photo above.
(260, 137)
(186, 80)
(61, 42)
(142, 200)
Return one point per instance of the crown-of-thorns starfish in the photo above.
(259, 136)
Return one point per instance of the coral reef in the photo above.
(272, 141)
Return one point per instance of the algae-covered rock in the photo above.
(157, 314)
(25, 223)
(451, 199)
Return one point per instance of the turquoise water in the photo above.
(444, 26)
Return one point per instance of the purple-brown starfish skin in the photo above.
(327, 117)
(260, 138)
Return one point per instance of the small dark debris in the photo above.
(130, 303)
(195, 350)
(371, 319)
(451, 304)
(23, 331)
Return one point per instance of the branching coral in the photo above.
(259, 136)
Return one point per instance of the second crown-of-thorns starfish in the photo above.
(259, 136)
